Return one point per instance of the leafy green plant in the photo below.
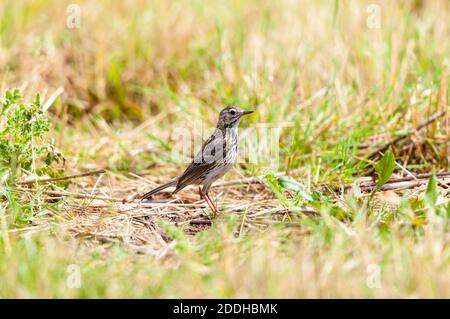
(384, 168)
(432, 192)
(289, 183)
(300, 194)
(277, 189)
(431, 196)
(23, 147)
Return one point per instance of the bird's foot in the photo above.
(210, 203)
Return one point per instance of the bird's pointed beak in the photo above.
(247, 112)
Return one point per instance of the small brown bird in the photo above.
(216, 157)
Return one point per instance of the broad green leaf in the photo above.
(432, 192)
(275, 186)
(385, 168)
(289, 183)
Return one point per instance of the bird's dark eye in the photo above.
(233, 112)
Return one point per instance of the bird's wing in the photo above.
(191, 175)
(211, 154)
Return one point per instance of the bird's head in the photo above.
(230, 116)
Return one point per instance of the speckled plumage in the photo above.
(216, 157)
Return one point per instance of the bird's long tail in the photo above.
(158, 189)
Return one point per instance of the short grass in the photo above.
(336, 84)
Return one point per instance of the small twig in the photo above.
(77, 195)
(200, 222)
(275, 210)
(53, 97)
(278, 223)
(405, 184)
(425, 176)
(405, 170)
(264, 222)
(45, 180)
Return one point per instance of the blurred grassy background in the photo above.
(316, 64)
(136, 70)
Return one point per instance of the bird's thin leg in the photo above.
(206, 199)
(216, 211)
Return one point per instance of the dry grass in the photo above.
(110, 210)
(135, 72)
